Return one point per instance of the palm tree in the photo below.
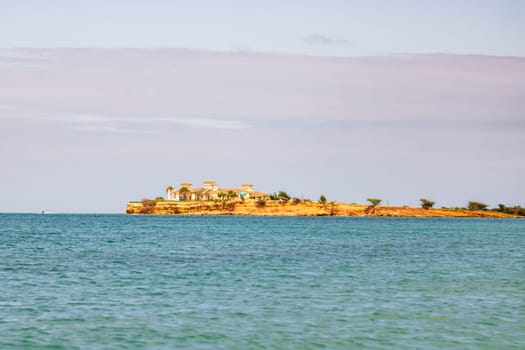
(169, 191)
(231, 194)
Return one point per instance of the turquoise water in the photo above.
(116, 281)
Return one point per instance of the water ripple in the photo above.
(115, 281)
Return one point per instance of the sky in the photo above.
(105, 102)
(313, 27)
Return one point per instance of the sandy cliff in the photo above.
(274, 208)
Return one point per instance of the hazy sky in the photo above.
(105, 102)
(317, 27)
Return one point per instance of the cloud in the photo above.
(5, 107)
(108, 129)
(379, 122)
(157, 123)
(104, 123)
(162, 88)
(25, 58)
(207, 123)
(26, 55)
(319, 39)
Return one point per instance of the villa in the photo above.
(211, 191)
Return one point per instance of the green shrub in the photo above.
(426, 204)
(374, 201)
(477, 206)
(283, 196)
(515, 210)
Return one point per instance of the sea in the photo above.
(232, 282)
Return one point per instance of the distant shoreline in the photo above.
(277, 208)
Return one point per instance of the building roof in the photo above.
(207, 190)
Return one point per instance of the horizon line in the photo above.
(257, 52)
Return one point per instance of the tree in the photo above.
(283, 196)
(372, 207)
(515, 210)
(184, 192)
(296, 200)
(426, 204)
(477, 206)
(374, 201)
(231, 194)
(322, 199)
(222, 196)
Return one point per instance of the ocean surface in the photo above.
(175, 282)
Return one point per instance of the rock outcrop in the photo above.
(276, 208)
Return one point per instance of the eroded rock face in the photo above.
(228, 208)
(275, 208)
(180, 208)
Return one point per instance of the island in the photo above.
(210, 199)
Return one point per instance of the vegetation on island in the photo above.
(515, 210)
(477, 206)
(280, 203)
(280, 196)
(184, 192)
(426, 204)
(374, 201)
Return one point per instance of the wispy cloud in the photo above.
(319, 39)
(6, 107)
(160, 89)
(26, 58)
(204, 123)
(108, 129)
(187, 112)
(26, 54)
(103, 123)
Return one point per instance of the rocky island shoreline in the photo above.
(279, 208)
(211, 199)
